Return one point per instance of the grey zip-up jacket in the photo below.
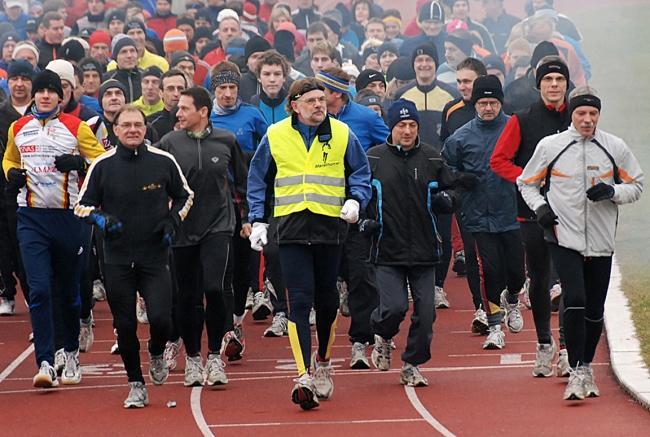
(584, 226)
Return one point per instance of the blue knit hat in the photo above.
(401, 110)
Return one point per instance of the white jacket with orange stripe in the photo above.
(34, 144)
(584, 226)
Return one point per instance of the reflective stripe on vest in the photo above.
(314, 179)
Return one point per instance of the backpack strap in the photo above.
(616, 175)
(549, 168)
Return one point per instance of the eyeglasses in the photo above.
(313, 100)
(131, 125)
(486, 104)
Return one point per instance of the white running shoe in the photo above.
(496, 339)
(158, 369)
(232, 344)
(250, 298)
(86, 335)
(480, 322)
(279, 326)
(410, 375)
(344, 307)
(323, 384)
(440, 298)
(141, 311)
(304, 392)
(7, 306)
(525, 294)
(312, 317)
(514, 320)
(562, 367)
(59, 361)
(381, 353)
(575, 389)
(72, 370)
(544, 358)
(138, 397)
(261, 305)
(194, 372)
(46, 376)
(358, 359)
(556, 295)
(172, 348)
(214, 370)
(589, 382)
(99, 292)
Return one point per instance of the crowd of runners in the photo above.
(302, 164)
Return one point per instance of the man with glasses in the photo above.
(321, 179)
(172, 83)
(138, 222)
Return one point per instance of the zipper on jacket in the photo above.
(584, 181)
(198, 149)
(130, 87)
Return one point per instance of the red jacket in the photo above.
(161, 25)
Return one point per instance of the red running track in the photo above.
(472, 391)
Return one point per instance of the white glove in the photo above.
(350, 211)
(258, 236)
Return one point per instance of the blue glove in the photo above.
(110, 226)
(167, 229)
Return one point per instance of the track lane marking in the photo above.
(422, 411)
(197, 413)
(17, 362)
(317, 422)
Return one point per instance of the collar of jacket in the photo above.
(578, 136)
(126, 152)
(71, 106)
(489, 124)
(323, 131)
(398, 149)
(273, 102)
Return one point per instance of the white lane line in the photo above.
(510, 359)
(195, 405)
(415, 401)
(324, 422)
(17, 362)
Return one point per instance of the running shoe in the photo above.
(459, 263)
(358, 359)
(525, 294)
(496, 339)
(72, 370)
(46, 376)
(158, 369)
(544, 360)
(214, 371)
(279, 326)
(440, 298)
(381, 353)
(59, 361)
(304, 392)
(589, 382)
(514, 320)
(172, 348)
(344, 307)
(312, 317)
(261, 305)
(141, 311)
(556, 295)
(480, 322)
(7, 306)
(138, 397)
(575, 389)
(194, 372)
(250, 298)
(86, 335)
(323, 384)
(410, 375)
(562, 367)
(232, 346)
(99, 292)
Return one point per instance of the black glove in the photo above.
(442, 203)
(369, 227)
(600, 191)
(68, 162)
(109, 225)
(467, 181)
(545, 216)
(167, 230)
(16, 178)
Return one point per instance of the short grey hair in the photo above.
(583, 91)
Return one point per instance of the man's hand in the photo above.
(442, 203)
(68, 162)
(350, 211)
(258, 236)
(246, 229)
(600, 191)
(109, 225)
(545, 216)
(467, 181)
(16, 178)
(167, 230)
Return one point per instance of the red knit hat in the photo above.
(175, 40)
(99, 36)
(249, 13)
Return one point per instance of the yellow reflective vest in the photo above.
(311, 179)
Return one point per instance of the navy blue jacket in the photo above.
(492, 205)
(367, 125)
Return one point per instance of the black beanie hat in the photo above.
(72, 51)
(283, 42)
(387, 47)
(544, 48)
(154, 71)
(20, 68)
(401, 69)
(368, 76)
(551, 66)
(255, 45)
(425, 49)
(494, 62)
(584, 100)
(332, 24)
(431, 11)
(110, 83)
(184, 20)
(464, 45)
(91, 64)
(487, 86)
(47, 79)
